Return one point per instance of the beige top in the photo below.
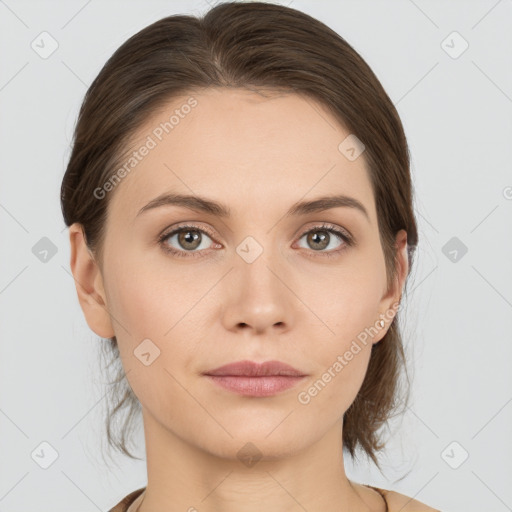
(135, 505)
(131, 502)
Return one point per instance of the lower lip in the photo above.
(255, 386)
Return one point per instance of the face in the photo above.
(266, 282)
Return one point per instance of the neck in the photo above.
(233, 478)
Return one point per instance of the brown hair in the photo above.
(255, 45)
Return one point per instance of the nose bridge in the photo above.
(256, 258)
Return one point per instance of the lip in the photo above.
(253, 369)
(248, 378)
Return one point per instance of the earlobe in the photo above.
(89, 284)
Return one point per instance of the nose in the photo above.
(257, 297)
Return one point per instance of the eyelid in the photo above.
(190, 225)
(328, 226)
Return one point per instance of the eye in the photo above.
(188, 238)
(190, 241)
(320, 237)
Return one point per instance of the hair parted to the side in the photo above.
(260, 46)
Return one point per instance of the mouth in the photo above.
(249, 378)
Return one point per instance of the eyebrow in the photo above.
(203, 205)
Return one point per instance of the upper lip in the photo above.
(252, 369)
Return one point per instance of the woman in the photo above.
(241, 225)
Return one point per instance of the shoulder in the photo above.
(401, 503)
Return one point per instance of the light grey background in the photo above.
(457, 116)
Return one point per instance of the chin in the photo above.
(252, 445)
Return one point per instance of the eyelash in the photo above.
(330, 228)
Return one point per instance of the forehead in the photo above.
(241, 148)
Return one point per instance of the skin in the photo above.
(258, 155)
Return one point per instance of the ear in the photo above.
(388, 306)
(89, 284)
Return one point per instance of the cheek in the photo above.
(147, 301)
(152, 320)
(341, 363)
(147, 328)
(348, 301)
(350, 310)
